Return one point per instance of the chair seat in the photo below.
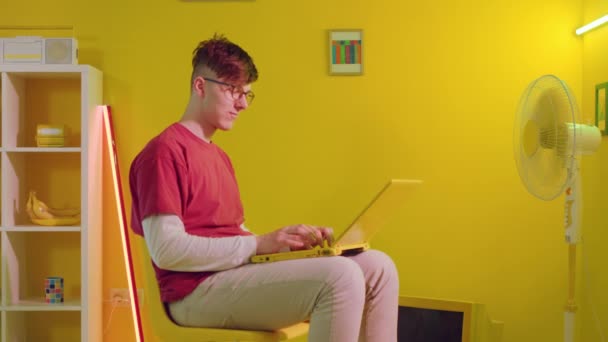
(293, 331)
(188, 334)
(164, 328)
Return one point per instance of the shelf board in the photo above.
(45, 70)
(42, 149)
(42, 229)
(38, 304)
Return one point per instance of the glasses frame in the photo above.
(235, 91)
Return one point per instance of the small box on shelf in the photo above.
(53, 290)
(50, 135)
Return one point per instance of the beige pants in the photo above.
(347, 299)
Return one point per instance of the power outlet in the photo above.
(121, 297)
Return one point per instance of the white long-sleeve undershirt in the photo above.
(172, 248)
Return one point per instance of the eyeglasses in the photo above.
(236, 92)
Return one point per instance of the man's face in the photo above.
(222, 102)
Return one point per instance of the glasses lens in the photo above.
(249, 96)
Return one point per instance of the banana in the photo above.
(28, 207)
(54, 212)
(40, 210)
(42, 214)
(65, 212)
(58, 221)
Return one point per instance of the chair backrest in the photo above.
(166, 330)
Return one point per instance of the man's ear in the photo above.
(198, 86)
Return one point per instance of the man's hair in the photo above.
(228, 60)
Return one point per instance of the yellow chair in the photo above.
(166, 330)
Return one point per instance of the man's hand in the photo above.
(296, 237)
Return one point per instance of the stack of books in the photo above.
(50, 135)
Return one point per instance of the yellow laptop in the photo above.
(357, 236)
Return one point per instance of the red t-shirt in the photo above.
(177, 173)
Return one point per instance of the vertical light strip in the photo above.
(120, 208)
(592, 25)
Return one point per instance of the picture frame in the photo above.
(601, 104)
(346, 52)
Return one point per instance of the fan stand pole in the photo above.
(572, 220)
(571, 307)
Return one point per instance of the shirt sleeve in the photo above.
(172, 248)
(161, 187)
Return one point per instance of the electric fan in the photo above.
(548, 138)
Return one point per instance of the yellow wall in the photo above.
(437, 101)
(594, 306)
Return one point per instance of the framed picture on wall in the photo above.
(601, 103)
(345, 52)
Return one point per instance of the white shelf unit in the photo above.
(61, 176)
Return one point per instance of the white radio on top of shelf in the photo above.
(38, 50)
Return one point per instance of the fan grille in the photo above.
(544, 136)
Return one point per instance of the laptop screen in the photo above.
(383, 206)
